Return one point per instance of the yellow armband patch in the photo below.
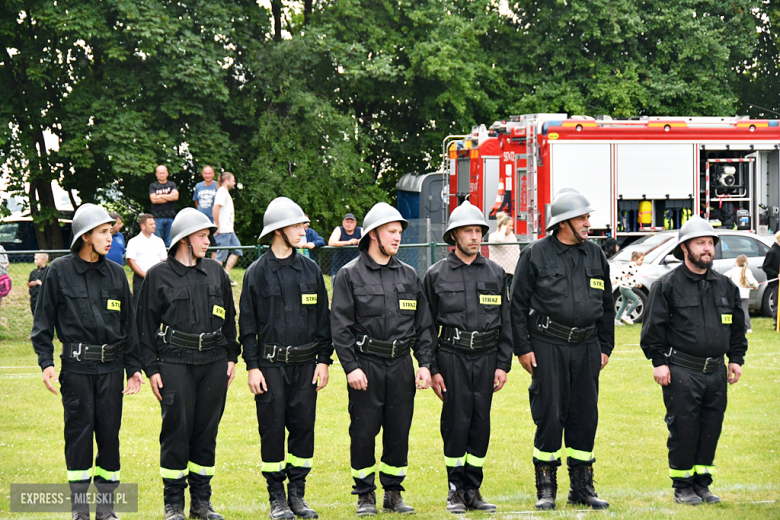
(218, 311)
(309, 299)
(725, 319)
(595, 283)
(408, 305)
(114, 305)
(490, 299)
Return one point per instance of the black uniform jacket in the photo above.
(384, 302)
(470, 297)
(570, 284)
(698, 316)
(85, 303)
(772, 264)
(283, 305)
(194, 300)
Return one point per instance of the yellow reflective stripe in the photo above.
(298, 462)
(111, 476)
(473, 460)
(392, 470)
(173, 473)
(579, 455)
(546, 455)
(273, 467)
(200, 470)
(704, 470)
(363, 473)
(455, 462)
(76, 475)
(681, 473)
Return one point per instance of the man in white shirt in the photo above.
(224, 216)
(144, 251)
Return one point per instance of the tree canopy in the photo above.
(330, 102)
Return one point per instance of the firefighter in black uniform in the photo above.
(694, 316)
(466, 293)
(563, 330)
(86, 300)
(285, 332)
(379, 313)
(187, 331)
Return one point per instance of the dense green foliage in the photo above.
(330, 102)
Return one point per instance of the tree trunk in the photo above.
(276, 10)
(307, 9)
(48, 233)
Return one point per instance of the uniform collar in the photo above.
(83, 266)
(561, 248)
(275, 264)
(709, 275)
(455, 262)
(371, 264)
(181, 269)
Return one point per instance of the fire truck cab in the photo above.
(642, 175)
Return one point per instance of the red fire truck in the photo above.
(642, 175)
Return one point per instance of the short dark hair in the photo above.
(143, 217)
(114, 215)
(223, 177)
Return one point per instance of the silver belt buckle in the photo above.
(707, 364)
(546, 323)
(571, 331)
(471, 341)
(360, 343)
(200, 341)
(392, 350)
(456, 336)
(163, 332)
(271, 356)
(287, 354)
(103, 353)
(77, 355)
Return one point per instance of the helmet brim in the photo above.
(448, 232)
(678, 252)
(268, 232)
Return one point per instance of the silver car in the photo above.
(659, 261)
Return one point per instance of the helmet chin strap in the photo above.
(190, 254)
(577, 236)
(379, 243)
(286, 240)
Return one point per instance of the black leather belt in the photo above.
(389, 349)
(85, 352)
(570, 334)
(706, 365)
(205, 341)
(469, 340)
(289, 354)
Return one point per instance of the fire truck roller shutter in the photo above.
(586, 167)
(654, 170)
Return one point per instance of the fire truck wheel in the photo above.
(769, 302)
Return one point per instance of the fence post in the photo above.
(432, 245)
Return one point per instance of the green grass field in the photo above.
(631, 469)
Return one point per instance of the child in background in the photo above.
(744, 279)
(627, 282)
(36, 278)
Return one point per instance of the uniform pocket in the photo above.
(551, 284)
(489, 297)
(76, 300)
(451, 296)
(686, 311)
(370, 300)
(596, 286)
(407, 299)
(308, 295)
(537, 411)
(216, 310)
(113, 304)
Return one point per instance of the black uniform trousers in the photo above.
(93, 406)
(387, 403)
(564, 400)
(695, 406)
(289, 403)
(138, 281)
(193, 400)
(465, 414)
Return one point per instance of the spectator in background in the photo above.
(204, 198)
(627, 280)
(505, 256)
(35, 280)
(771, 266)
(611, 247)
(224, 219)
(144, 251)
(744, 279)
(347, 234)
(310, 241)
(163, 195)
(5, 278)
(117, 251)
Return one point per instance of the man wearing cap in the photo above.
(467, 295)
(563, 330)
(285, 332)
(187, 330)
(379, 313)
(694, 316)
(347, 234)
(87, 300)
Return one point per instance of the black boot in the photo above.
(475, 502)
(279, 506)
(174, 502)
(581, 490)
(106, 515)
(79, 500)
(546, 486)
(80, 515)
(366, 505)
(395, 504)
(104, 509)
(200, 503)
(456, 503)
(295, 493)
(705, 494)
(686, 496)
